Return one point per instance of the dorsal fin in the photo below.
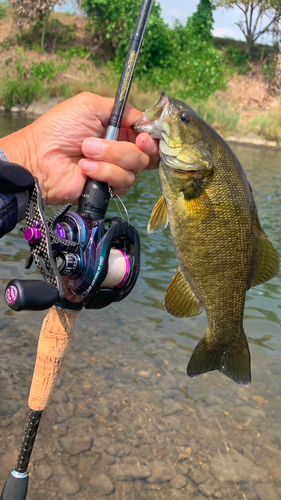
(269, 262)
(159, 218)
(180, 300)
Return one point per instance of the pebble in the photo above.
(6, 422)
(76, 445)
(8, 407)
(102, 484)
(170, 408)
(59, 412)
(16, 109)
(266, 491)
(233, 466)
(207, 489)
(8, 460)
(144, 373)
(44, 471)
(60, 396)
(178, 481)
(117, 450)
(69, 485)
(197, 475)
(127, 472)
(161, 472)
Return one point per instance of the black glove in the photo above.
(16, 184)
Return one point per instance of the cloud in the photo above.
(223, 32)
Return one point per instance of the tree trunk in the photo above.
(44, 29)
(249, 44)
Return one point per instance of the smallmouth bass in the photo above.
(221, 248)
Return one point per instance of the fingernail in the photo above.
(87, 165)
(93, 146)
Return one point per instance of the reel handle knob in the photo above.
(30, 295)
(94, 200)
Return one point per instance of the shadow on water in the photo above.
(125, 422)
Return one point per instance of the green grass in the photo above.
(18, 92)
(266, 125)
(219, 116)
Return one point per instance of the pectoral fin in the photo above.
(269, 262)
(180, 300)
(159, 218)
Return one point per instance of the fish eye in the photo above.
(184, 117)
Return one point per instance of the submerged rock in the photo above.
(233, 466)
(74, 446)
(102, 484)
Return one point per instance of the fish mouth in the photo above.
(151, 118)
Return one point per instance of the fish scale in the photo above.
(220, 245)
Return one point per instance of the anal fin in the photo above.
(269, 262)
(180, 300)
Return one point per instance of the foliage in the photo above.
(18, 92)
(182, 59)
(219, 116)
(57, 34)
(28, 84)
(74, 51)
(3, 10)
(29, 11)
(259, 17)
(237, 56)
(266, 124)
(43, 71)
(195, 60)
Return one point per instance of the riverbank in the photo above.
(37, 108)
(248, 111)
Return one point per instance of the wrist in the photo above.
(19, 148)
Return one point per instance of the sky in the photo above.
(224, 19)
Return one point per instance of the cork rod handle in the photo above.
(55, 337)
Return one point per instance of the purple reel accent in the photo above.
(128, 265)
(11, 294)
(60, 231)
(33, 234)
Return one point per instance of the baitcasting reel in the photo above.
(85, 259)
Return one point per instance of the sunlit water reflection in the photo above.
(125, 422)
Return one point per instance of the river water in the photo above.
(125, 422)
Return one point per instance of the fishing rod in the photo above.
(85, 259)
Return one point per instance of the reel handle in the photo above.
(30, 295)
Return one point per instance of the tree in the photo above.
(28, 11)
(195, 61)
(260, 16)
(112, 23)
(200, 24)
(182, 59)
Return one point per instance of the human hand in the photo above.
(54, 148)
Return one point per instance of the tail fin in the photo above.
(233, 360)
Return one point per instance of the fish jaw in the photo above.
(152, 119)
